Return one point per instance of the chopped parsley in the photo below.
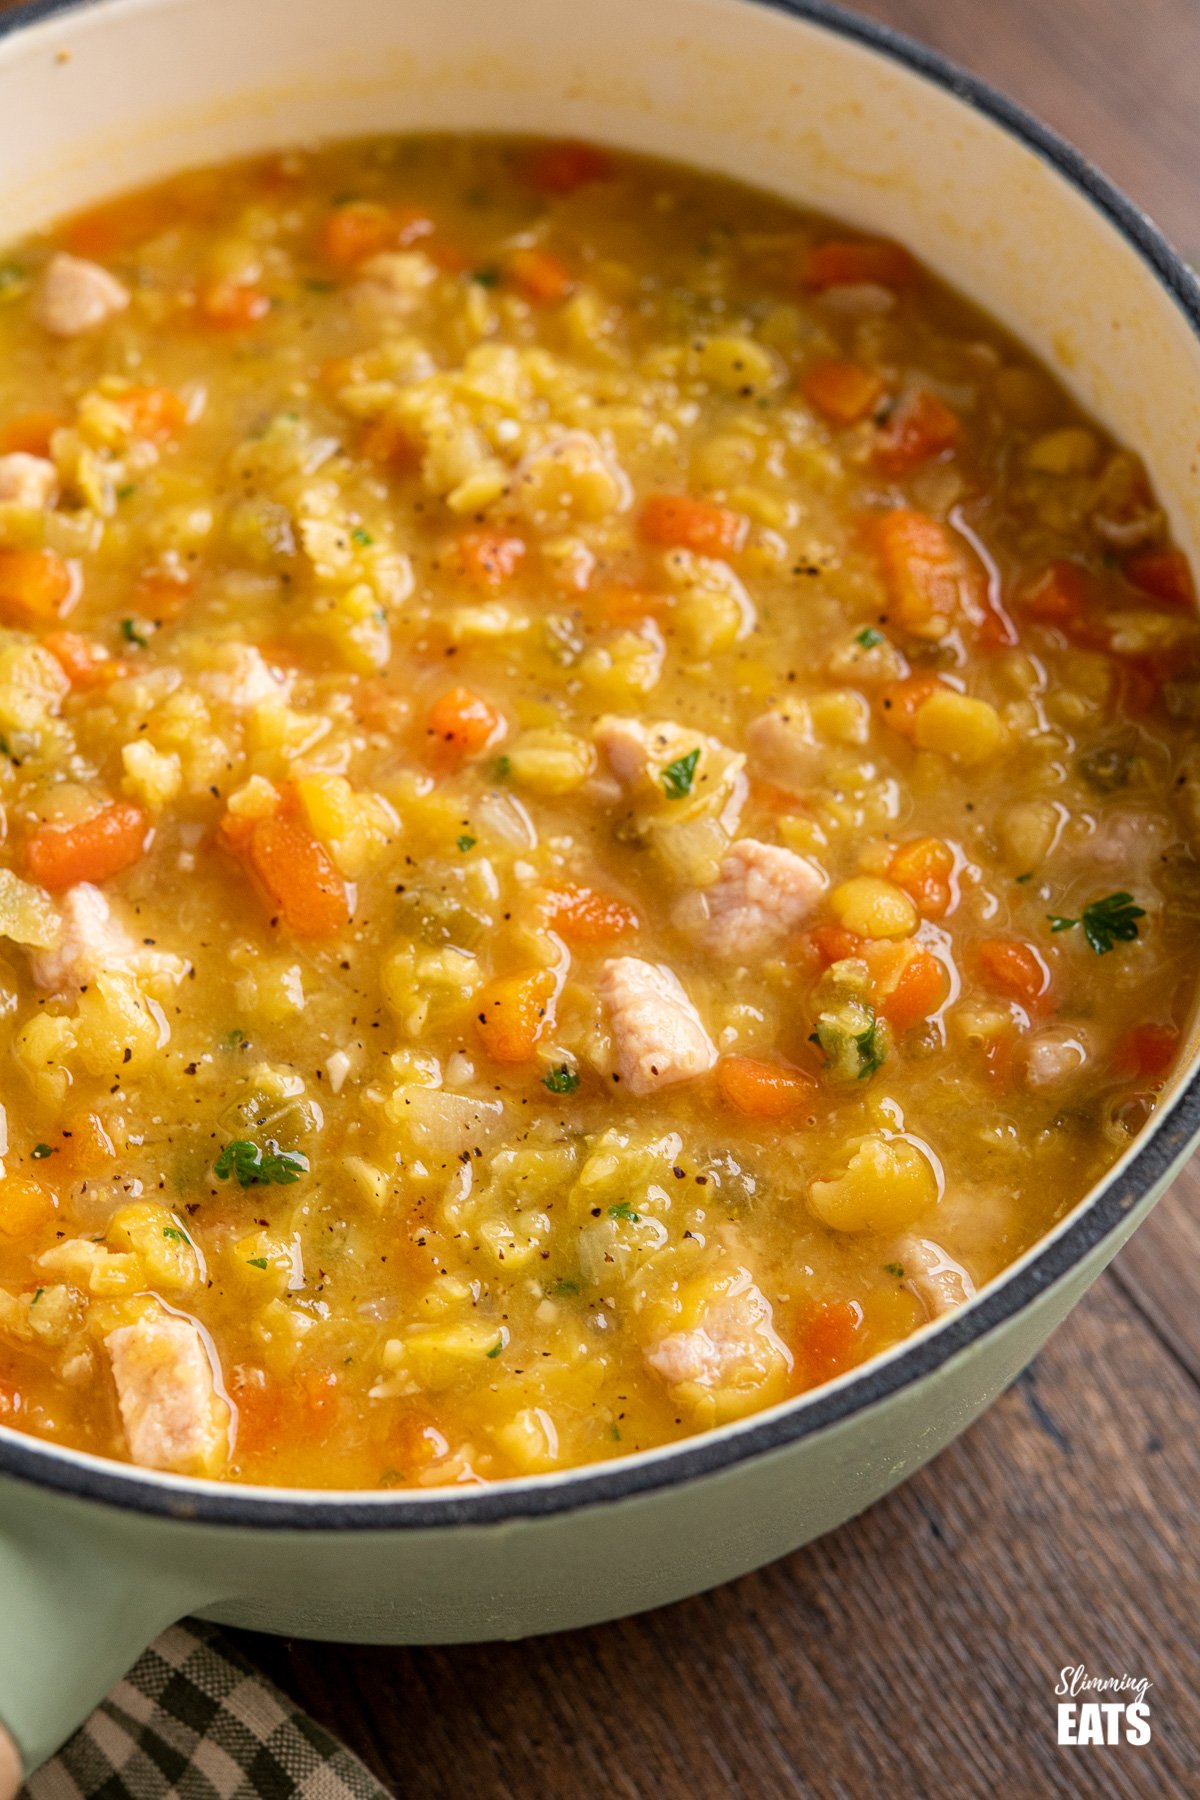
(565, 1287)
(37, 1296)
(868, 637)
(361, 537)
(41, 1151)
(252, 1165)
(127, 491)
(317, 285)
(259, 1262)
(896, 1269)
(487, 277)
(176, 1236)
(466, 843)
(561, 1080)
(679, 775)
(1112, 920)
(870, 1050)
(496, 1348)
(502, 768)
(235, 1039)
(133, 633)
(615, 1433)
(623, 1210)
(1027, 876)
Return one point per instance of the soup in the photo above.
(600, 800)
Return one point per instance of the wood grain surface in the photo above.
(913, 1653)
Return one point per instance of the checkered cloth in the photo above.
(193, 1719)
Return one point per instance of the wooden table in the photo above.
(913, 1653)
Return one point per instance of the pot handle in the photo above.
(75, 1614)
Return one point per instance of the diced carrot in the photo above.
(924, 868)
(86, 665)
(764, 1090)
(156, 413)
(85, 1148)
(849, 262)
(1014, 968)
(901, 701)
(540, 275)
(512, 1012)
(1164, 574)
(232, 305)
(36, 586)
(1061, 595)
(769, 797)
(844, 391)
(834, 943)
(932, 577)
(914, 985)
(583, 915)
(31, 432)
(998, 1059)
(701, 525)
(386, 441)
(261, 1408)
(26, 1207)
(161, 592)
(489, 558)
(352, 233)
(829, 1341)
(57, 856)
(559, 168)
(1148, 1052)
(117, 225)
(921, 428)
(299, 876)
(621, 604)
(463, 724)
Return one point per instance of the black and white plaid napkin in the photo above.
(194, 1719)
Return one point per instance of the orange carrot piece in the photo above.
(26, 1207)
(901, 701)
(31, 432)
(385, 441)
(844, 391)
(232, 305)
(118, 225)
(86, 665)
(913, 987)
(1014, 968)
(924, 868)
(58, 856)
(361, 228)
(1164, 574)
(1061, 595)
(834, 943)
(512, 1012)
(845, 262)
(621, 604)
(921, 428)
(559, 168)
(932, 578)
(1148, 1052)
(583, 915)
(156, 413)
(764, 1090)
(541, 276)
(680, 521)
(36, 586)
(829, 1342)
(489, 558)
(463, 724)
(299, 877)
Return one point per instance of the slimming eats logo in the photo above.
(1121, 1717)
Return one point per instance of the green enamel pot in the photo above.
(96, 1557)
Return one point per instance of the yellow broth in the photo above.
(600, 799)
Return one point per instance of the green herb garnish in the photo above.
(235, 1039)
(561, 1080)
(487, 277)
(361, 537)
(175, 1236)
(870, 1050)
(127, 491)
(41, 1151)
(132, 633)
(466, 843)
(502, 768)
(37, 1296)
(496, 1348)
(868, 637)
(1112, 920)
(896, 1269)
(679, 775)
(251, 1165)
(1027, 876)
(316, 285)
(623, 1210)
(259, 1262)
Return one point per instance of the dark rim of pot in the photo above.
(115, 1484)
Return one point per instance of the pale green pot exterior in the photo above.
(94, 1560)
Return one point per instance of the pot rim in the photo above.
(86, 1477)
